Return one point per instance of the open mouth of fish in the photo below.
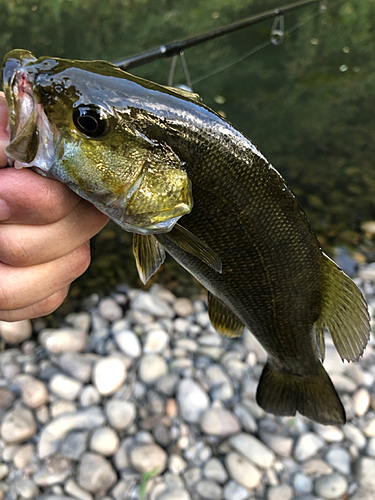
(32, 137)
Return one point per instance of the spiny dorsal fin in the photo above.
(192, 96)
(149, 255)
(223, 319)
(344, 312)
(195, 246)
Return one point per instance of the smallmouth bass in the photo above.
(182, 179)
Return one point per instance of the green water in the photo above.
(308, 104)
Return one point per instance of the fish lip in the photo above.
(26, 115)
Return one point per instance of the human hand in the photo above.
(44, 238)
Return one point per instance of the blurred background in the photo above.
(308, 103)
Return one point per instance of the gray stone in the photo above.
(76, 365)
(355, 435)
(365, 473)
(183, 307)
(151, 304)
(58, 428)
(65, 387)
(151, 368)
(215, 470)
(280, 492)
(26, 488)
(234, 491)
(282, 445)
(208, 490)
(129, 343)
(121, 414)
(219, 422)
(23, 456)
(370, 450)
(175, 494)
(105, 441)
(16, 332)
(361, 401)
(369, 427)
(96, 474)
(109, 374)
(72, 488)
(7, 399)
(253, 449)
(109, 309)
(63, 340)
(156, 341)
(34, 392)
(74, 445)
(330, 433)
(340, 460)
(246, 418)
(148, 458)
(302, 483)
(331, 486)
(220, 384)
(18, 425)
(316, 467)
(192, 400)
(307, 446)
(53, 471)
(89, 396)
(242, 470)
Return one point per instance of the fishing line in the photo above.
(322, 9)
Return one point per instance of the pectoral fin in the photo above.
(223, 319)
(344, 312)
(195, 246)
(149, 255)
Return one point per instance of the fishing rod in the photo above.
(175, 48)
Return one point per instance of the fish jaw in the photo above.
(32, 137)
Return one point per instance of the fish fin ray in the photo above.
(344, 312)
(319, 337)
(223, 319)
(188, 94)
(195, 246)
(149, 255)
(283, 393)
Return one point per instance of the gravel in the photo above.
(137, 397)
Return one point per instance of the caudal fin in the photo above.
(284, 393)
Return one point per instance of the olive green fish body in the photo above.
(149, 156)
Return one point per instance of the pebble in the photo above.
(151, 368)
(365, 473)
(109, 309)
(76, 365)
(120, 414)
(208, 490)
(16, 332)
(242, 471)
(302, 483)
(307, 446)
(148, 458)
(65, 387)
(361, 402)
(175, 494)
(109, 374)
(63, 340)
(156, 341)
(331, 486)
(253, 449)
(220, 422)
(53, 433)
(54, 470)
(234, 491)
(192, 400)
(151, 304)
(18, 426)
(26, 488)
(280, 492)
(214, 469)
(340, 460)
(34, 392)
(105, 441)
(96, 474)
(128, 342)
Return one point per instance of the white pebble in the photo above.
(18, 425)
(63, 340)
(121, 414)
(242, 471)
(361, 402)
(129, 343)
(16, 332)
(109, 374)
(105, 441)
(156, 341)
(331, 486)
(151, 368)
(65, 387)
(192, 400)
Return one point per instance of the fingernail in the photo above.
(4, 210)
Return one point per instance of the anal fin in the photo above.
(344, 312)
(149, 255)
(223, 319)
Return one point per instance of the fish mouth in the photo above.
(32, 138)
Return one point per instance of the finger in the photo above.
(33, 199)
(4, 131)
(42, 308)
(28, 245)
(22, 287)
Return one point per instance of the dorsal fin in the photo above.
(192, 96)
(149, 255)
(223, 319)
(195, 246)
(344, 312)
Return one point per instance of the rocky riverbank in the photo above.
(137, 397)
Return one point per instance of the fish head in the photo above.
(74, 121)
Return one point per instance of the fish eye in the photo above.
(90, 121)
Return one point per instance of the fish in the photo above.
(184, 181)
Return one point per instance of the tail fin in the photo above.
(284, 393)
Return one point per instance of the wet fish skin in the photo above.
(254, 249)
